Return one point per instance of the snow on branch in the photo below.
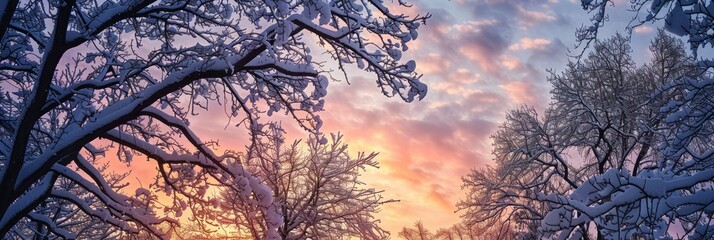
(622, 152)
(135, 72)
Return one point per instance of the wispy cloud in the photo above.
(530, 43)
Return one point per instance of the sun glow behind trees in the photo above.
(140, 92)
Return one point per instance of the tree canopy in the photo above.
(133, 72)
(622, 151)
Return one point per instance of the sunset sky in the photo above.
(479, 59)
(140, 118)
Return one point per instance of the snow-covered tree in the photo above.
(457, 231)
(133, 72)
(622, 152)
(317, 191)
(419, 232)
(691, 18)
(462, 231)
(64, 215)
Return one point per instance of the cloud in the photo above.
(643, 29)
(510, 62)
(434, 63)
(459, 82)
(530, 43)
(530, 18)
(554, 51)
(524, 92)
(483, 44)
(521, 13)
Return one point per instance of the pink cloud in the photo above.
(477, 41)
(434, 63)
(523, 93)
(531, 17)
(530, 43)
(458, 82)
(643, 29)
(510, 62)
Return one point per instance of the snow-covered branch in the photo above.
(622, 151)
(134, 72)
